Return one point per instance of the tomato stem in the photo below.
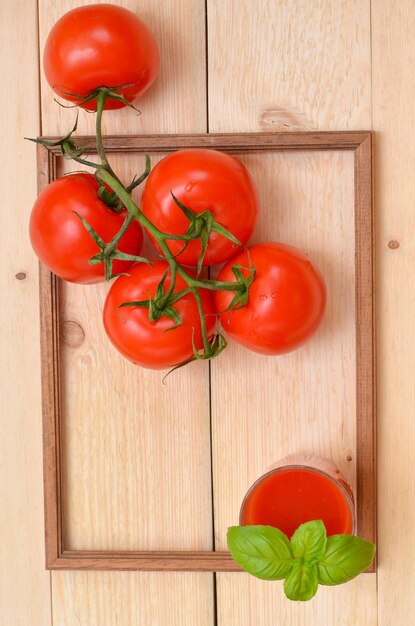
(112, 245)
(162, 305)
(161, 238)
(101, 98)
(100, 148)
(206, 344)
(194, 284)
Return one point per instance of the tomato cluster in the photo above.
(199, 207)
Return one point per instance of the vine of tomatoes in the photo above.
(199, 207)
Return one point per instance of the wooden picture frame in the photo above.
(57, 556)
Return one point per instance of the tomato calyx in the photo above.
(109, 251)
(201, 226)
(162, 303)
(70, 150)
(217, 343)
(108, 93)
(241, 296)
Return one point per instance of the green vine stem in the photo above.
(116, 196)
(162, 238)
(193, 283)
(206, 344)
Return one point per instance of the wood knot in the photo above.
(279, 119)
(72, 334)
(21, 275)
(393, 244)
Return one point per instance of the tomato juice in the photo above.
(291, 495)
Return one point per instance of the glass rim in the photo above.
(348, 496)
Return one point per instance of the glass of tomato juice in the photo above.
(298, 489)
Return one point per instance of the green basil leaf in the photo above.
(263, 551)
(345, 557)
(301, 582)
(309, 541)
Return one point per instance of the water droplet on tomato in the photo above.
(213, 237)
(274, 295)
(254, 316)
(234, 246)
(190, 185)
(263, 297)
(253, 334)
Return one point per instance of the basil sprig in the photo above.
(309, 559)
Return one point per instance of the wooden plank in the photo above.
(150, 466)
(295, 66)
(119, 432)
(288, 66)
(393, 28)
(243, 599)
(24, 584)
(139, 598)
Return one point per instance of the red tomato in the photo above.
(202, 180)
(100, 45)
(147, 343)
(286, 299)
(61, 241)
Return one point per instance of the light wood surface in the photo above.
(24, 584)
(294, 65)
(137, 464)
(288, 65)
(394, 117)
(245, 600)
(138, 598)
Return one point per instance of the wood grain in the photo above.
(301, 66)
(136, 461)
(24, 584)
(394, 116)
(366, 478)
(288, 66)
(176, 103)
(50, 381)
(243, 599)
(138, 598)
